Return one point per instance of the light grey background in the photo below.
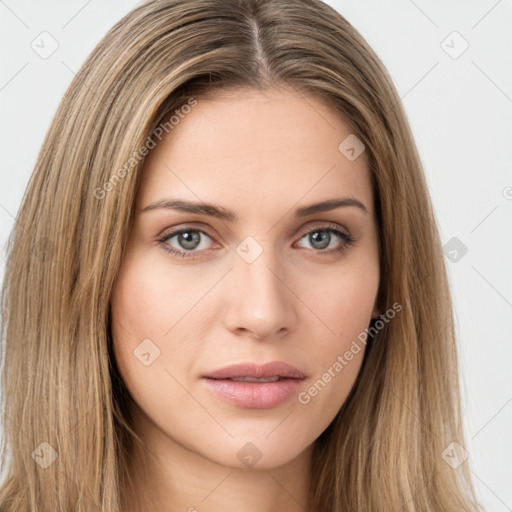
(460, 109)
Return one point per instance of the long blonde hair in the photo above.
(66, 425)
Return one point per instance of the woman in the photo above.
(226, 287)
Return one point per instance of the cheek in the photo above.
(143, 300)
(342, 298)
(137, 328)
(135, 315)
(343, 304)
(151, 304)
(152, 294)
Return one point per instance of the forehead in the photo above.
(250, 147)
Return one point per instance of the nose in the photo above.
(260, 301)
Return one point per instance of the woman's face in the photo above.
(268, 282)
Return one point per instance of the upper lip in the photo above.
(270, 369)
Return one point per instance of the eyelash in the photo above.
(348, 241)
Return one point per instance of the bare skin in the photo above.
(300, 301)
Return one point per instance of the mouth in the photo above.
(253, 386)
(254, 379)
(270, 370)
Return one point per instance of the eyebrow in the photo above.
(200, 208)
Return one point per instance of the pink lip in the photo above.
(270, 369)
(255, 395)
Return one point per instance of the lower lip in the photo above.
(254, 395)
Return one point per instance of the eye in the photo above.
(190, 242)
(186, 238)
(322, 237)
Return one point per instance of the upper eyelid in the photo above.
(325, 226)
(173, 232)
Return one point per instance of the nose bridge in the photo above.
(259, 299)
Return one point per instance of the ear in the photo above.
(375, 312)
